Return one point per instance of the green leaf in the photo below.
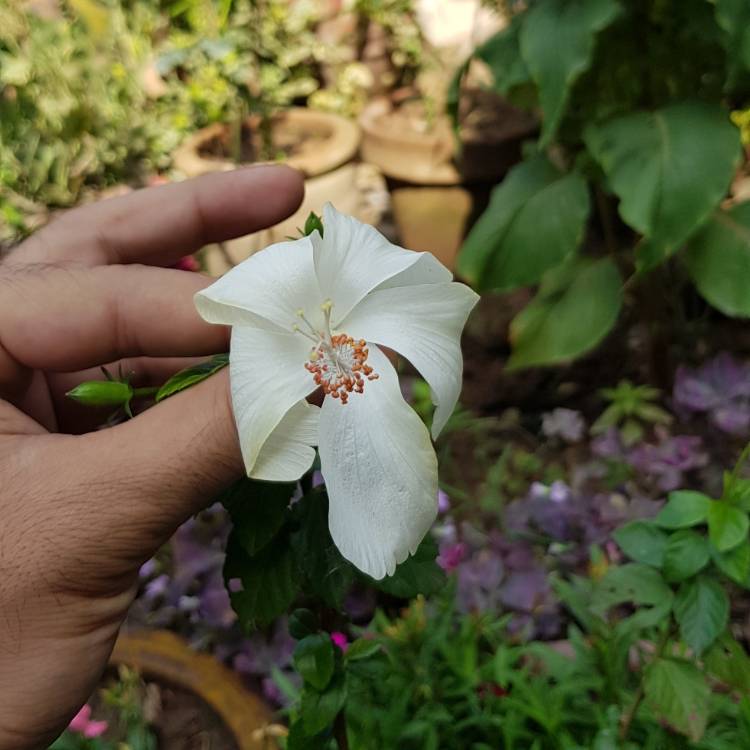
(536, 218)
(303, 622)
(684, 508)
(270, 581)
(327, 574)
(418, 574)
(642, 541)
(733, 16)
(557, 44)
(735, 563)
(312, 222)
(634, 582)
(257, 510)
(575, 308)
(319, 709)
(718, 260)
(670, 168)
(728, 662)
(502, 54)
(678, 693)
(299, 739)
(686, 553)
(701, 608)
(314, 660)
(192, 376)
(362, 648)
(727, 525)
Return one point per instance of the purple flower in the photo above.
(669, 459)
(720, 387)
(443, 502)
(339, 639)
(525, 590)
(478, 580)
(452, 555)
(566, 424)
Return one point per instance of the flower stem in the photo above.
(339, 731)
(145, 392)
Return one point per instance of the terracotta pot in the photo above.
(324, 148)
(166, 658)
(437, 189)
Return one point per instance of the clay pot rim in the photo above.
(165, 656)
(340, 146)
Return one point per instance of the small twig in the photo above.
(339, 731)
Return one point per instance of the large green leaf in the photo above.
(270, 581)
(257, 510)
(686, 553)
(727, 525)
(575, 308)
(718, 260)
(557, 44)
(701, 608)
(678, 693)
(684, 508)
(642, 542)
(536, 218)
(502, 53)
(670, 168)
(733, 16)
(328, 575)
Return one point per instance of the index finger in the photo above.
(159, 225)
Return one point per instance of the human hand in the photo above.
(81, 510)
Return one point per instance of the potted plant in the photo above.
(438, 181)
(242, 83)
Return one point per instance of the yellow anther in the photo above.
(300, 313)
(326, 306)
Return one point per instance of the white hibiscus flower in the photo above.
(312, 313)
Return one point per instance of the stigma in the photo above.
(338, 363)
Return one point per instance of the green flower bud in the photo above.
(312, 223)
(102, 393)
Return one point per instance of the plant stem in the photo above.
(145, 392)
(605, 216)
(339, 731)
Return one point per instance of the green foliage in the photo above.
(677, 691)
(535, 221)
(192, 376)
(634, 98)
(576, 307)
(282, 554)
(631, 406)
(684, 508)
(718, 260)
(556, 67)
(72, 117)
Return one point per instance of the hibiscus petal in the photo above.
(424, 324)
(268, 378)
(287, 453)
(381, 472)
(270, 287)
(353, 258)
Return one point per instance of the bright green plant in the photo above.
(631, 407)
(635, 99)
(72, 116)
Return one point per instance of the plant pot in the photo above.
(438, 190)
(319, 144)
(165, 658)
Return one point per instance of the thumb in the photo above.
(161, 467)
